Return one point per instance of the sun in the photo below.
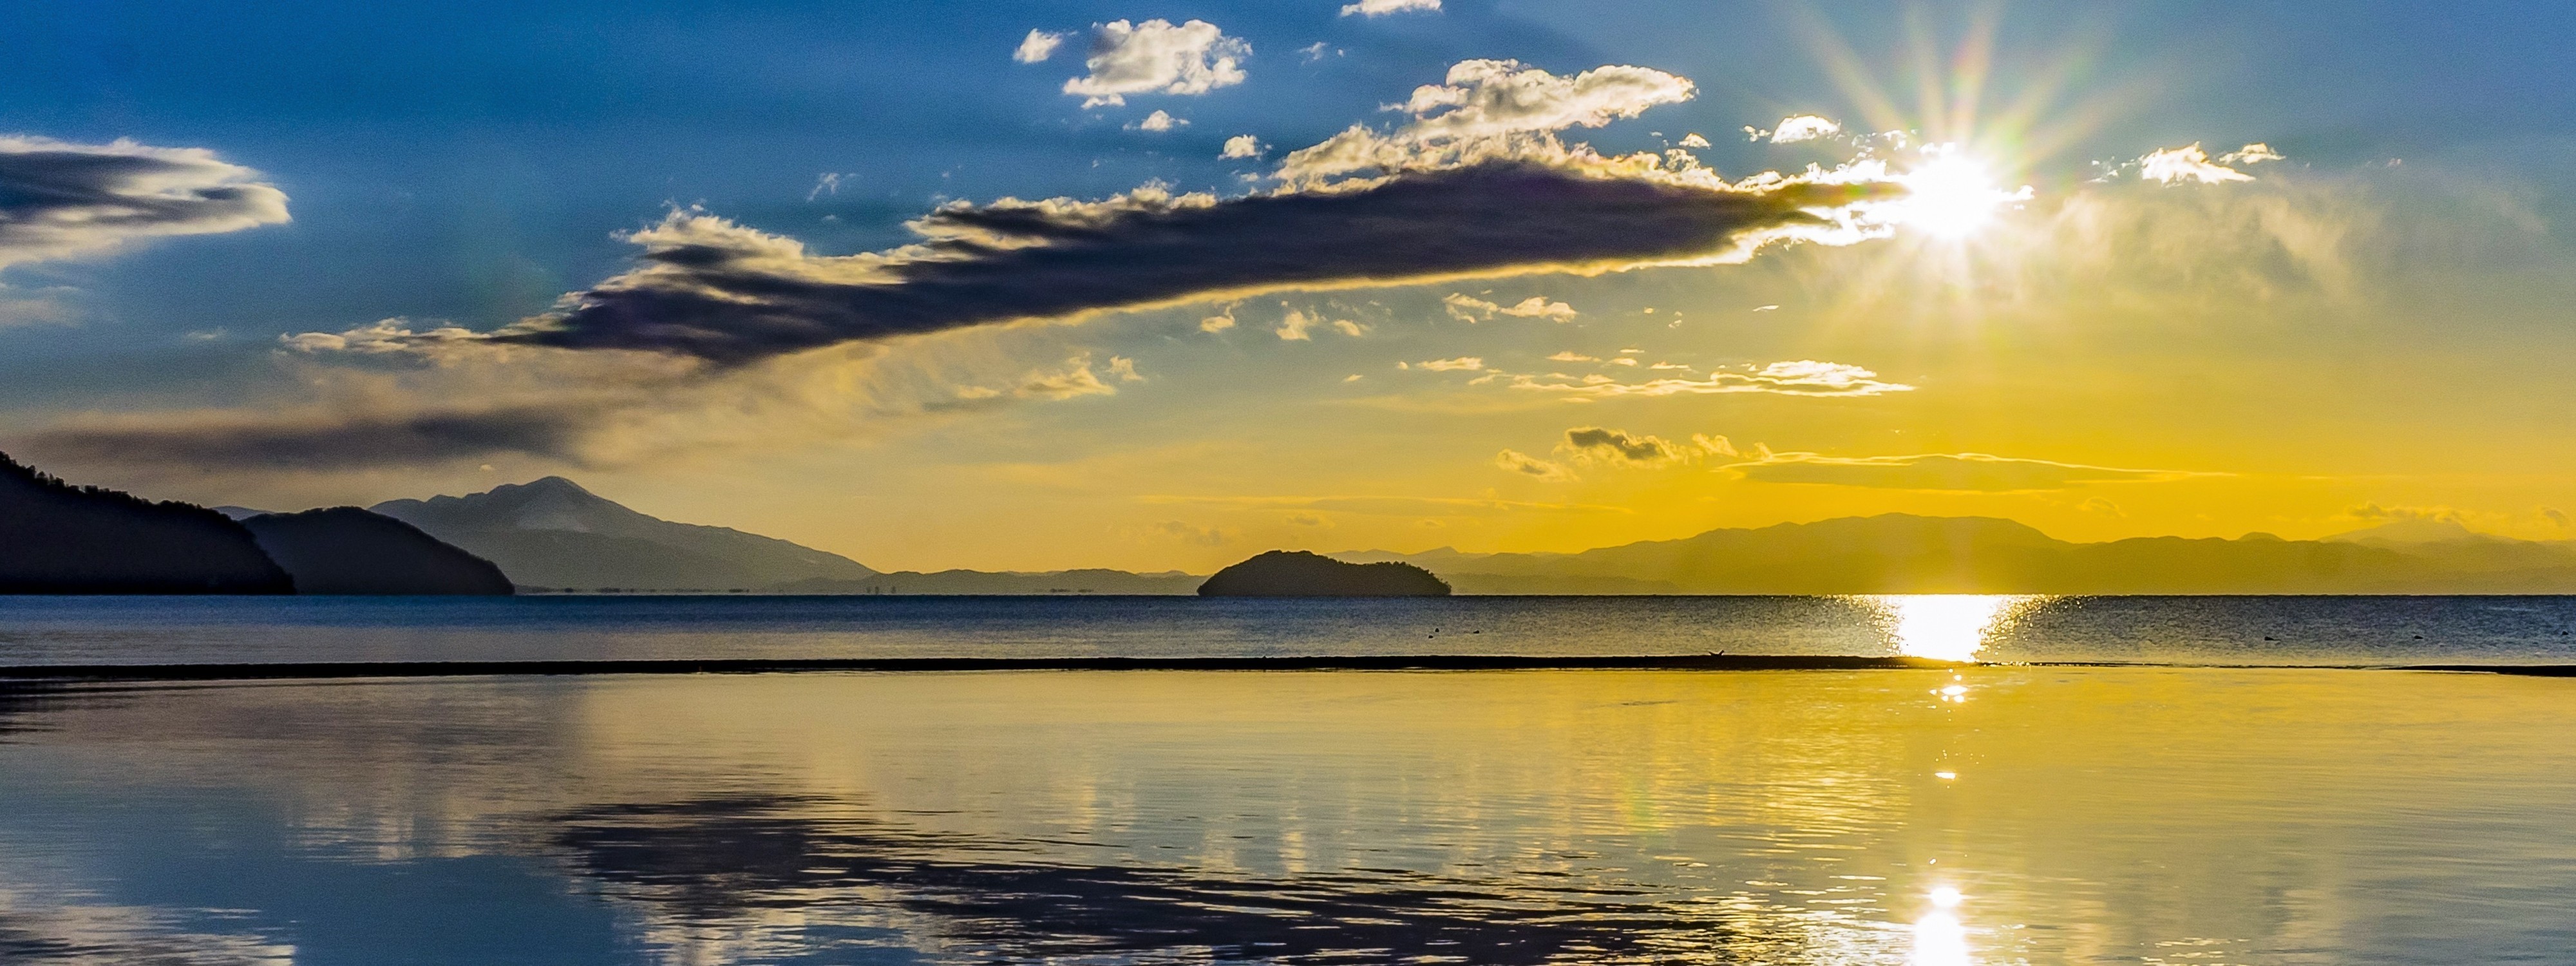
(1950, 195)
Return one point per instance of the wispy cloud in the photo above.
(2191, 163)
(1380, 8)
(1400, 506)
(1804, 377)
(1156, 57)
(1943, 472)
(1527, 465)
(64, 200)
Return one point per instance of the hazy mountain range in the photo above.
(551, 534)
(1899, 553)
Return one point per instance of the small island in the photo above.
(1298, 573)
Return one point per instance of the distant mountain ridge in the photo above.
(1907, 554)
(552, 533)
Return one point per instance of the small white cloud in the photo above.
(1294, 325)
(1314, 52)
(1125, 369)
(1349, 328)
(2188, 163)
(1380, 8)
(1219, 322)
(1158, 122)
(2255, 153)
(1460, 364)
(1804, 127)
(1766, 308)
(1156, 57)
(1353, 377)
(1572, 356)
(1039, 46)
(1241, 146)
(1468, 308)
(1694, 141)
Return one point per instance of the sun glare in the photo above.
(1950, 195)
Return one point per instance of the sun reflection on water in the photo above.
(1940, 939)
(1947, 627)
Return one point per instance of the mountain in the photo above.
(56, 538)
(969, 582)
(346, 550)
(1297, 573)
(1902, 553)
(551, 533)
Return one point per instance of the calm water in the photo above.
(2221, 630)
(1999, 814)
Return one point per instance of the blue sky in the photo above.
(470, 163)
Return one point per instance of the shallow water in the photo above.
(2219, 630)
(2043, 815)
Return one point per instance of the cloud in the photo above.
(1570, 355)
(1158, 121)
(1219, 322)
(1240, 146)
(1471, 309)
(1156, 57)
(1314, 52)
(1075, 378)
(1350, 328)
(1804, 127)
(1402, 506)
(322, 440)
(716, 290)
(1037, 47)
(1380, 8)
(1294, 325)
(1482, 98)
(828, 183)
(2190, 163)
(1307, 520)
(1186, 533)
(2255, 153)
(1610, 445)
(1941, 472)
(64, 200)
(1527, 465)
(1460, 364)
(2373, 511)
(1804, 377)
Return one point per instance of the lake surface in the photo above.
(2186, 630)
(1995, 814)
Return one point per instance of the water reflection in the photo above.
(1947, 627)
(1133, 819)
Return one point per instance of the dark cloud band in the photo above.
(325, 443)
(726, 294)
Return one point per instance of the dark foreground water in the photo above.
(1995, 814)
